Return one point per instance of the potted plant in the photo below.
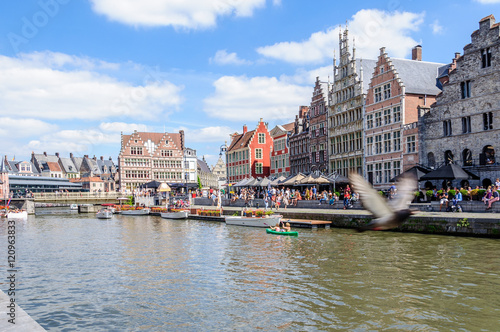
(259, 213)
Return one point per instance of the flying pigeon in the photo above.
(387, 215)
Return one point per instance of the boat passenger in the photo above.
(287, 228)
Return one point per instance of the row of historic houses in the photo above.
(381, 117)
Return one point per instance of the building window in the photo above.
(466, 128)
(397, 140)
(378, 119)
(387, 142)
(397, 168)
(397, 113)
(258, 168)
(369, 146)
(378, 144)
(488, 121)
(447, 127)
(369, 121)
(465, 89)
(489, 154)
(387, 171)
(410, 144)
(485, 57)
(137, 150)
(258, 153)
(467, 157)
(387, 116)
(378, 94)
(448, 157)
(378, 173)
(387, 91)
(262, 138)
(431, 161)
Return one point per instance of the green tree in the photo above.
(199, 182)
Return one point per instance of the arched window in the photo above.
(467, 157)
(489, 154)
(448, 157)
(431, 161)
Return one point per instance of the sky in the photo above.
(74, 74)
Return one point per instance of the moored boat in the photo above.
(104, 214)
(182, 214)
(73, 207)
(291, 233)
(266, 221)
(135, 212)
(21, 214)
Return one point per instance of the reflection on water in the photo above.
(148, 273)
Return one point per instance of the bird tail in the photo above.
(365, 227)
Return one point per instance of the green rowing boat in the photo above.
(270, 231)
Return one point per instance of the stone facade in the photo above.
(299, 143)
(318, 135)
(219, 170)
(398, 88)
(463, 126)
(346, 112)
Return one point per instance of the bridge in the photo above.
(78, 198)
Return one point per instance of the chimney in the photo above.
(416, 53)
(57, 154)
(245, 129)
(71, 155)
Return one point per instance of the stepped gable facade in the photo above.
(398, 89)
(346, 112)
(145, 157)
(463, 127)
(249, 153)
(318, 127)
(299, 143)
(280, 156)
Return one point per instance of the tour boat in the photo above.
(266, 221)
(104, 214)
(21, 214)
(183, 214)
(135, 212)
(291, 233)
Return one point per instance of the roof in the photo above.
(42, 157)
(54, 166)
(418, 77)
(154, 137)
(241, 140)
(68, 166)
(15, 168)
(289, 126)
(41, 180)
(368, 68)
(3, 168)
(87, 179)
(77, 161)
(106, 166)
(203, 166)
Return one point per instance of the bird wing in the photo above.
(405, 193)
(371, 199)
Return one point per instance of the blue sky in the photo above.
(75, 73)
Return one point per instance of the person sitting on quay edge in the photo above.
(324, 197)
(494, 197)
(443, 199)
(487, 196)
(456, 199)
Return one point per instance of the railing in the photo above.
(76, 196)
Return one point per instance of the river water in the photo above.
(145, 273)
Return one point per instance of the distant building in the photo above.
(299, 143)
(280, 155)
(47, 165)
(462, 127)
(346, 113)
(150, 156)
(91, 184)
(207, 178)
(398, 89)
(249, 154)
(190, 168)
(4, 181)
(219, 170)
(21, 168)
(318, 123)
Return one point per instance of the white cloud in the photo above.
(22, 128)
(371, 28)
(488, 2)
(126, 128)
(193, 14)
(35, 86)
(78, 142)
(207, 134)
(241, 98)
(436, 27)
(223, 58)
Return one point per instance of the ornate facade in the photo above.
(299, 143)
(318, 135)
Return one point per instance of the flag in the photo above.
(14, 158)
(8, 203)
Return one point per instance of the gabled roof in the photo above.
(42, 157)
(77, 161)
(155, 138)
(241, 140)
(93, 166)
(418, 77)
(14, 167)
(368, 68)
(106, 166)
(68, 166)
(53, 166)
(203, 167)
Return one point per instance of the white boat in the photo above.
(104, 214)
(17, 215)
(175, 215)
(265, 222)
(73, 207)
(138, 212)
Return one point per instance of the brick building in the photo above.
(346, 112)
(398, 88)
(299, 143)
(150, 156)
(318, 123)
(249, 153)
(462, 127)
(280, 156)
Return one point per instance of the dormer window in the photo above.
(485, 57)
